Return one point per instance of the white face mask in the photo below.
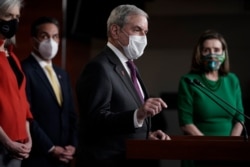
(48, 49)
(136, 46)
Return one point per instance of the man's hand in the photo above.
(158, 135)
(151, 107)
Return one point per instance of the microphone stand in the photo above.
(197, 84)
(200, 84)
(148, 127)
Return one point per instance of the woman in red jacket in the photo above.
(15, 140)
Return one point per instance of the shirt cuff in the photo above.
(52, 148)
(137, 124)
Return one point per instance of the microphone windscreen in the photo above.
(189, 81)
(196, 81)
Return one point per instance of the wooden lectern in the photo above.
(219, 151)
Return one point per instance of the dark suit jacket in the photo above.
(54, 124)
(107, 101)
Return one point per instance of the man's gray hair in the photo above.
(120, 14)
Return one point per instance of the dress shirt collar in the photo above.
(41, 62)
(118, 53)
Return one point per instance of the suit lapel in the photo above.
(61, 81)
(121, 71)
(142, 85)
(40, 73)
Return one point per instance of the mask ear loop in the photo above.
(122, 46)
(38, 42)
(124, 33)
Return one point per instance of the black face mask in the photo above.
(8, 28)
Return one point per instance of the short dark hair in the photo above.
(42, 20)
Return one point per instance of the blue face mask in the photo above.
(8, 28)
(212, 62)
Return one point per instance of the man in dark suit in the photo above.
(112, 109)
(53, 130)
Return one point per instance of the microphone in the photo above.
(199, 85)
